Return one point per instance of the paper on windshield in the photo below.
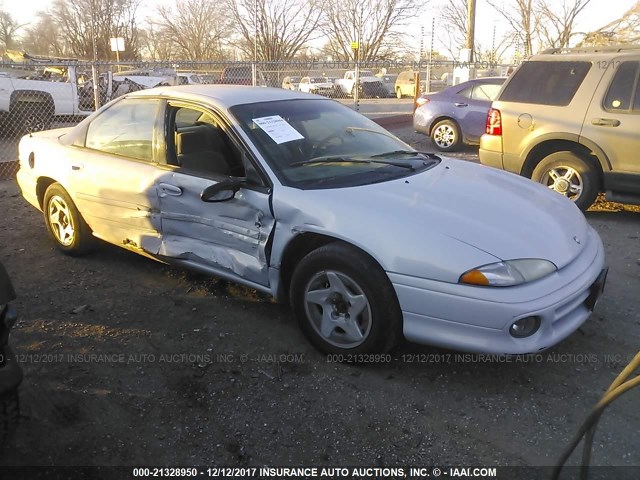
(278, 129)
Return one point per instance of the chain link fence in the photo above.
(40, 94)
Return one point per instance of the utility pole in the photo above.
(254, 67)
(471, 28)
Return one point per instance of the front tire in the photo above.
(446, 136)
(570, 175)
(66, 226)
(344, 302)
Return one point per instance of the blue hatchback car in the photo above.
(456, 114)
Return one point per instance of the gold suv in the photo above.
(570, 119)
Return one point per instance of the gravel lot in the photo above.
(128, 361)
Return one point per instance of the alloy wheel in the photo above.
(444, 136)
(564, 180)
(60, 221)
(338, 309)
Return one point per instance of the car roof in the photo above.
(224, 95)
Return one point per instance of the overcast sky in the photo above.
(597, 14)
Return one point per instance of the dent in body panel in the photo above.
(230, 235)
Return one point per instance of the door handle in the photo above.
(461, 104)
(605, 122)
(77, 167)
(168, 189)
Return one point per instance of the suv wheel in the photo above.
(568, 174)
(446, 136)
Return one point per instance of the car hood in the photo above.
(467, 214)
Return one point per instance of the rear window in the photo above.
(545, 83)
(623, 88)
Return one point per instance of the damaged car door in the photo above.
(215, 213)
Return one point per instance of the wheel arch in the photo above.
(32, 96)
(41, 187)
(297, 248)
(547, 147)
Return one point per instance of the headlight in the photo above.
(508, 273)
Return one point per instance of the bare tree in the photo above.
(626, 29)
(78, 20)
(454, 20)
(189, 30)
(42, 38)
(375, 24)
(8, 30)
(557, 20)
(521, 19)
(278, 30)
(454, 23)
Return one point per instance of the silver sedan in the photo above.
(298, 196)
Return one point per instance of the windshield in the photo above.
(320, 143)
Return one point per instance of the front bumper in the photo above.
(477, 319)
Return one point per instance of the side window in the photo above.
(546, 83)
(200, 145)
(621, 90)
(466, 92)
(126, 129)
(486, 92)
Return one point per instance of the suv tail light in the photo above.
(494, 122)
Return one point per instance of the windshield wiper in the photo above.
(371, 130)
(338, 159)
(404, 152)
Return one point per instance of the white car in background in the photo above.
(307, 200)
(189, 78)
(318, 85)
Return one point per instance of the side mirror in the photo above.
(222, 191)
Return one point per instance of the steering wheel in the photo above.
(333, 140)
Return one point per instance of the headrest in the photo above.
(197, 139)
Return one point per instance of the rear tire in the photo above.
(570, 175)
(446, 136)
(66, 226)
(344, 302)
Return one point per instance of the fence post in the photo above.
(96, 86)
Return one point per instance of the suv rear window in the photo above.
(545, 83)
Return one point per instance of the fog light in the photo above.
(525, 327)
